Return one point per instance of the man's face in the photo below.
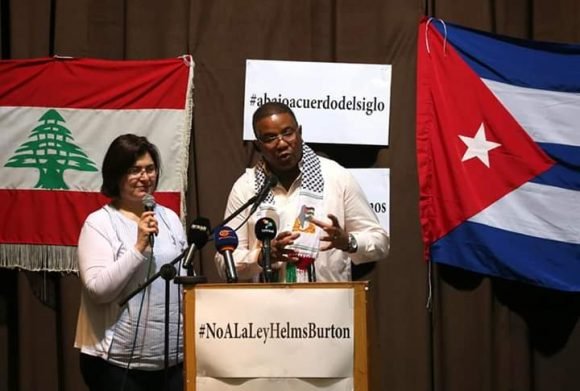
(280, 142)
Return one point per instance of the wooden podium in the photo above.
(360, 370)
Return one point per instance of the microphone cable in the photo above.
(178, 337)
(134, 344)
(244, 221)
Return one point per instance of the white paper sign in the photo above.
(336, 103)
(276, 384)
(274, 333)
(375, 183)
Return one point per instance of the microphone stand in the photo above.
(168, 272)
(238, 211)
(256, 197)
(153, 277)
(266, 261)
(311, 272)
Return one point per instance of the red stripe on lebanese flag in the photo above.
(95, 84)
(35, 216)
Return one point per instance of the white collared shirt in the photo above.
(343, 198)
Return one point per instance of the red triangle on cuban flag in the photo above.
(471, 151)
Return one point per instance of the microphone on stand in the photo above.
(198, 237)
(269, 183)
(226, 241)
(265, 230)
(149, 205)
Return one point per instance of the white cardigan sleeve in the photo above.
(104, 277)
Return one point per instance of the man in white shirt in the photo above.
(323, 218)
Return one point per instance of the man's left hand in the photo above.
(336, 237)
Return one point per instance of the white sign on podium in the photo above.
(277, 335)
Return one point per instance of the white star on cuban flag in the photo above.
(478, 147)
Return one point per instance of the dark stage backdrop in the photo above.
(482, 334)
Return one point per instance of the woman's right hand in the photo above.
(147, 226)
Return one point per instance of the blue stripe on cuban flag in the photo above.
(533, 233)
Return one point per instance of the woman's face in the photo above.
(139, 180)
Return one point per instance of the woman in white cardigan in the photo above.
(120, 246)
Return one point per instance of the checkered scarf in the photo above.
(312, 179)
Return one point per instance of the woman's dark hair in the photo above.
(122, 154)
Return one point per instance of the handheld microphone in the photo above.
(269, 183)
(226, 241)
(198, 237)
(149, 205)
(265, 230)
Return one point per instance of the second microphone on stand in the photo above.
(198, 236)
(226, 241)
(266, 231)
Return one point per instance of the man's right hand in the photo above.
(279, 252)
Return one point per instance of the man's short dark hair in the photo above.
(122, 154)
(271, 108)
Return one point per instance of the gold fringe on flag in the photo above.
(39, 257)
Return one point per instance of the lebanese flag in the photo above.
(58, 117)
(497, 150)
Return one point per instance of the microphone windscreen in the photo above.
(225, 239)
(199, 232)
(265, 229)
(148, 202)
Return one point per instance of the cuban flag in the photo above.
(58, 116)
(498, 149)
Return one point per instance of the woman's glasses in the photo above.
(136, 171)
